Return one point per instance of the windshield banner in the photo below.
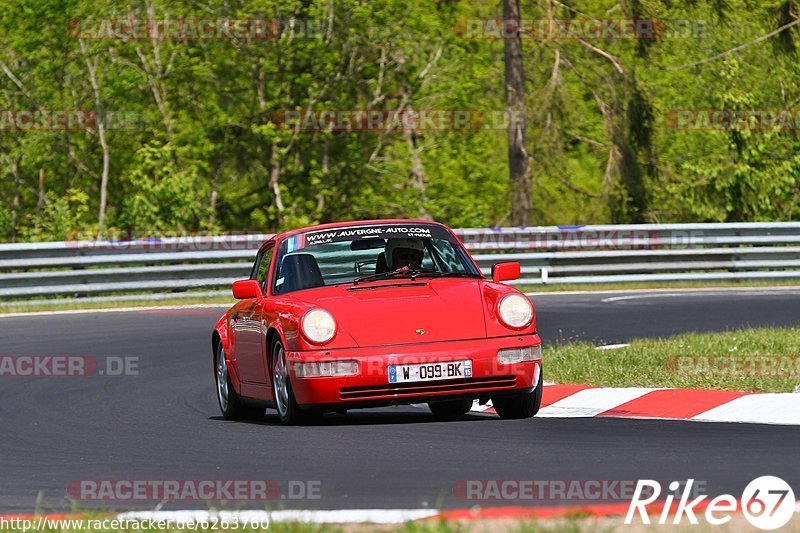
(354, 233)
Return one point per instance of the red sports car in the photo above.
(375, 313)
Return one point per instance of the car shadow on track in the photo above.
(368, 417)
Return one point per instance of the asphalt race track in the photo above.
(164, 424)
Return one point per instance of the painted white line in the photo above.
(591, 402)
(788, 288)
(114, 310)
(759, 292)
(772, 408)
(371, 516)
(612, 346)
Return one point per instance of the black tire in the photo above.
(521, 405)
(450, 408)
(290, 413)
(230, 404)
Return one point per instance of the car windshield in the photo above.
(363, 253)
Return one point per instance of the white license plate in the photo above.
(430, 371)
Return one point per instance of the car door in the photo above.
(250, 333)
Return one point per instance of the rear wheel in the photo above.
(229, 402)
(289, 412)
(450, 408)
(521, 405)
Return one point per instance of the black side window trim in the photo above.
(257, 265)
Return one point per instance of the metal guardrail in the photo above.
(572, 254)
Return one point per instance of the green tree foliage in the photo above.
(186, 136)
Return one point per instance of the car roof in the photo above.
(285, 234)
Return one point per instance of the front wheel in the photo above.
(521, 405)
(450, 408)
(229, 402)
(289, 412)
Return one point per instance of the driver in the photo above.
(404, 252)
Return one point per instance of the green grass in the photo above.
(571, 524)
(575, 524)
(766, 360)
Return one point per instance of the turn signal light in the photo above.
(318, 369)
(520, 355)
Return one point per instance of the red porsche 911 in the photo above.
(375, 313)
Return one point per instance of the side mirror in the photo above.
(505, 272)
(246, 289)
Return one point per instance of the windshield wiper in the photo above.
(455, 275)
(414, 273)
(405, 272)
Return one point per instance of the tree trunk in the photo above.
(91, 68)
(15, 201)
(518, 158)
(40, 201)
(275, 178)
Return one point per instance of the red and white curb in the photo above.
(581, 401)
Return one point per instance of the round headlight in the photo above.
(515, 310)
(318, 326)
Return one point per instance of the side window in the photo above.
(262, 268)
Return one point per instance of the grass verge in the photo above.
(568, 524)
(755, 360)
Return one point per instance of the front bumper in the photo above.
(371, 387)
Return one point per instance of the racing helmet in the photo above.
(411, 245)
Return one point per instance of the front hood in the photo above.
(402, 312)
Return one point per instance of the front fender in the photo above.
(222, 334)
(492, 293)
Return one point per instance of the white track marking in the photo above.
(612, 346)
(773, 408)
(344, 516)
(672, 294)
(591, 402)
